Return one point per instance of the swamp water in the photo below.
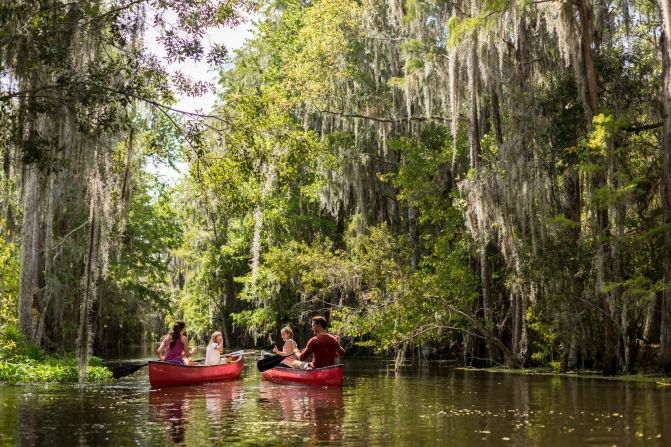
(432, 405)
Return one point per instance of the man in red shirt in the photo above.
(324, 347)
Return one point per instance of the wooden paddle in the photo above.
(271, 362)
(124, 371)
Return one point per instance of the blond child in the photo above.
(214, 349)
(289, 347)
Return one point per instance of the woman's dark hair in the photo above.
(320, 321)
(176, 328)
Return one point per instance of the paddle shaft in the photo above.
(271, 362)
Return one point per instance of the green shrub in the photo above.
(14, 345)
(23, 361)
(95, 361)
(30, 371)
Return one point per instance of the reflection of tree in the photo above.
(322, 407)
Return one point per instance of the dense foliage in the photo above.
(485, 180)
(481, 180)
(23, 361)
(84, 107)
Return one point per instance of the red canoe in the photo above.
(331, 375)
(163, 374)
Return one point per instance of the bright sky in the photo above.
(233, 38)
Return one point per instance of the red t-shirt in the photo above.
(324, 349)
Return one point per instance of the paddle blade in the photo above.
(269, 362)
(126, 370)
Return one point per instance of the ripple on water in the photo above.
(376, 407)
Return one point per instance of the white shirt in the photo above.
(212, 355)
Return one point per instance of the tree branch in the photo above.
(67, 236)
(384, 119)
(642, 127)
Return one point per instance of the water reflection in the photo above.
(319, 410)
(428, 406)
(182, 407)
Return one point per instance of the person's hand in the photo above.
(275, 350)
(193, 350)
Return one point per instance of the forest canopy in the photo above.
(486, 181)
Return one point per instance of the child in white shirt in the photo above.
(214, 349)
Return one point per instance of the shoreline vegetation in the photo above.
(23, 362)
(658, 379)
(661, 380)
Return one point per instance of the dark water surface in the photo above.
(432, 405)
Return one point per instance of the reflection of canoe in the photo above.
(163, 374)
(322, 408)
(331, 375)
(231, 390)
(315, 396)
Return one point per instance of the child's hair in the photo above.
(216, 334)
(288, 330)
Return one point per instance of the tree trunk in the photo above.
(665, 333)
(520, 303)
(496, 117)
(483, 120)
(44, 277)
(126, 193)
(467, 356)
(400, 357)
(610, 354)
(485, 276)
(576, 288)
(256, 247)
(42, 241)
(413, 234)
(84, 338)
(228, 298)
(474, 133)
(611, 342)
(586, 48)
(618, 295)
(29, 255)
(653, 320)
(6, 194)
(572, 361)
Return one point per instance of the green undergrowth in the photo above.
(23, 362)
(580, 374)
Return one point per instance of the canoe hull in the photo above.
(329, 376)
(163, 374)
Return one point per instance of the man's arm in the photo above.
(340, 351)
(300, 355)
